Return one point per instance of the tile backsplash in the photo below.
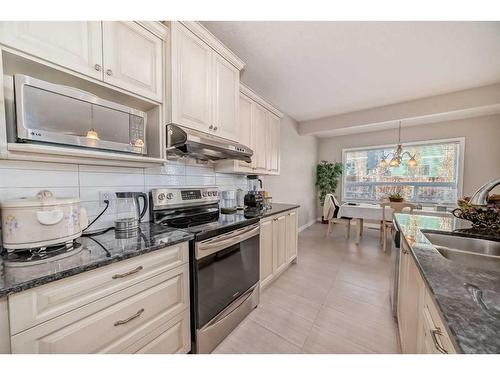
(22, 179)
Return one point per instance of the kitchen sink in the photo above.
(474, 252)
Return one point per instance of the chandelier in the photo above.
(397, 155)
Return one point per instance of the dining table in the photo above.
(373, 212)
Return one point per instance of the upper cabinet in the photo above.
(205, 78)
(123, 54)
(191, 80)
(133, 59)
(259, 128)
(74, 45)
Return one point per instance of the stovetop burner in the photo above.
(32, 256)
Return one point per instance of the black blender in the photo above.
(254, 198)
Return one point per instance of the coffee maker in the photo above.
(254, 198)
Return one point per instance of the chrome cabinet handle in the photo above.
(109, 72)
(434, 334)
(125, 321)
(97, 67)
(122, 275)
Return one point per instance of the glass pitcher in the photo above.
(128, 212)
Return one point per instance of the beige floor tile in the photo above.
(251, 338)
(322, 341)
(291, 302)
(284, 323)
(380, 338)
(334, 300)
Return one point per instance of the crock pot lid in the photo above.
(43, 198)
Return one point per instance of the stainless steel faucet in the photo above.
(480, 197)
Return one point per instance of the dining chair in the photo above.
(387, 224)
(335, 219)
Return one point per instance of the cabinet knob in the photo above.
(211, 127)
(109, 72)
(215, 128)
(97, 67)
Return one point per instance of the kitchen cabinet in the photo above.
(205, 82)
(291, 235)
(132, 58)
(74, 45)
(421, 329)
(4, 327)
(143, 309)
(245, 131)
(261, 139)
(122, 53)
(259, 128)
(278, 245)
(266, 252)
(273, 144)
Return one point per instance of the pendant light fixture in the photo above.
(397, 155)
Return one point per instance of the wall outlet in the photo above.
(105, 195)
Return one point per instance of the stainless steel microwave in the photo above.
(47, 112)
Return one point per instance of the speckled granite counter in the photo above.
(97, 251)
(278, 208)
(475, 328)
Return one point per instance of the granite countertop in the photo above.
(475, 327)
(278, 208)
(97, 251)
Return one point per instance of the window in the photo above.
(435, 180)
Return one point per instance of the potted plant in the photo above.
(327, 179)
(395, 197)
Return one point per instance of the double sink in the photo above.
(475, 252)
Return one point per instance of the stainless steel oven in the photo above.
(227, 284)
(223, 259)
(51, 113)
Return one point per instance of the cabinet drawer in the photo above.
(46, 302)
(433, 322)
(114, 328)
(171, 337)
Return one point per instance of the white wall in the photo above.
(295, 184)
(482, 149)
(22, 179)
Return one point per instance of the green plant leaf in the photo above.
(327, 178)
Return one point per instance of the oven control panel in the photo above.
(183, 196)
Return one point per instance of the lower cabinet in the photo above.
(421, 329)
(278, 245)
(148, 316)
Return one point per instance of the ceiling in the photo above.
(316, 69)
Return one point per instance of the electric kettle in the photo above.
(128, 212)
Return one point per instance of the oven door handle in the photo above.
(207, 247)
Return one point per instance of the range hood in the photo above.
(186, 142)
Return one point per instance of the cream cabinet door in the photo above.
(260, 137)
(191, 80)
(279, 244)
(273, 145)
(291, 235)
(409, 304)
(266, 252)
(245, 129)
(133, 59)
(226, 98)
(74, 45)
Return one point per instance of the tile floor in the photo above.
(334, 300)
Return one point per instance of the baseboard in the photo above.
(307, 225)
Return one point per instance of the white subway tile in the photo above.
(200, 181)
(91, 193)
(37, 178)
(164, 180)
(199, 171)
(111, 179)
(36, 165)
(17, 192)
